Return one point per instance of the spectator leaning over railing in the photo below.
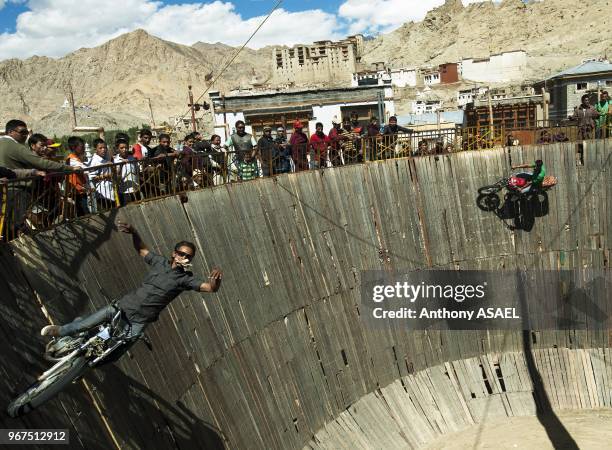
(47, 196)
(14, 155)
(142, 149)
(240, 143)
(157, 174)
(247, 168)
(351, 152)
(604, 108)
(187, 163)
(218, 159)
(127, 173)
(299, 147)
(390, 134)
(319, 143)
(335, 137)
(585, 115)
(266, 150)
(78, 182)
(101, 179)
(283, 152)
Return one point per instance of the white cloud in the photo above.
(219, 22)
(373, 16)
(56, 27)
(2, 2)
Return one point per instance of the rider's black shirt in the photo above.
(161, 285)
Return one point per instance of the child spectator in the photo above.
(101, 178)
(77, 182)
(247, 168)
(127, 173)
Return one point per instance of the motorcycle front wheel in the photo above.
(44, 390)
(491, 189)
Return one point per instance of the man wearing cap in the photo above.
(267, 152)
(299, 147)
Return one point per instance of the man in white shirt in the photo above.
(127, 171)
(101, 178)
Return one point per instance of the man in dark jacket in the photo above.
(283, 163)
(266, 150)
(585, 115)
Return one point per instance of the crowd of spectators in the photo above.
(53, 186)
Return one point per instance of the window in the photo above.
(581, 86)
(609, 83)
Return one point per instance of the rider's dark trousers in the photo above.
(105, 314)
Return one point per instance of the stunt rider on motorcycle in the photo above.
(533, 179)
(166, 279)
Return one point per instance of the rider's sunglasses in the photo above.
(183, 254)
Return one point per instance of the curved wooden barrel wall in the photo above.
(280, 357)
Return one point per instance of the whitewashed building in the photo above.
(402, 77)
(466, 96)
(498, 68)
(425, 106)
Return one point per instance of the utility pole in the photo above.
(381, 106)
(192, 108)
(151, 111)
(491, 129)
(72, 106)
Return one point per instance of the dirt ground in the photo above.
(590, 430)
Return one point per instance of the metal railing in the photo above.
(38, 203)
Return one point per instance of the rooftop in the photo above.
(584, 69)
(296, 91)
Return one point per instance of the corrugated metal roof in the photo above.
(585, 68)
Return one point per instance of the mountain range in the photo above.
(113, 83)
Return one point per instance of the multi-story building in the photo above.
(425, 106)
(323, 61)
(443, 74)
(381, 75)
(466, 96)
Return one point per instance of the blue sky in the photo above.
(56, 27)
(248, 8)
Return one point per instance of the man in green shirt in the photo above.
(535, 178)
(603, 122)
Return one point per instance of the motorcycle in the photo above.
(515, 184)
(73, 356)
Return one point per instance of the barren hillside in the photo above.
(116, 79)
(555, 33)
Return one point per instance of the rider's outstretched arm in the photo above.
(522, 166)
(214, 281)
(140, 246)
